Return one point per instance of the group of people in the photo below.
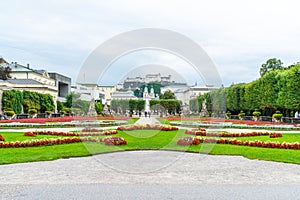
(147, 114)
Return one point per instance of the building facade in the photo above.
(25, 78)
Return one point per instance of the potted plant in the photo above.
(62, 113)
(241, 115)
(228, 114)
(9, 113)
(48, 113)
(32, 111)
(256, 114)
(277, 116)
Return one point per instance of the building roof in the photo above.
(24, 81)
(15, 67)
(123, 95)
(40, 71)
(2, 61)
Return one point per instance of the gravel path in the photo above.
(147, 120)
(149, 169)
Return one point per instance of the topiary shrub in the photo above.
(277, 115)
(48, 112)
(228, 113)
(9, 113)
(241, 114)
(32, 111)
(256, 113)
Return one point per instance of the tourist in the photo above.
(145, 113)
(296, 114)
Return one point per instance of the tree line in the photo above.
(26, 101)
(276, 90)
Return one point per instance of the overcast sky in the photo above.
(237, 35)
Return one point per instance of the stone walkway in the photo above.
(147, 120)
(148, 169)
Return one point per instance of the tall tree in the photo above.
(5, 73)
(271, 64)
(167, 95)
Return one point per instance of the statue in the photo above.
(92, 110)
(105, 110)
(204, 111)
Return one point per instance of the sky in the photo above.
(238, 36)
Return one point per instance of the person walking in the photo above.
(296, 114)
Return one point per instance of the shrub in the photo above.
(9, 113)
(48, 112)
(241, 114)
(277, 115)
(32, 111)
(256, 113)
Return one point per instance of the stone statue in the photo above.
(92, 110)
(105, 110)
(204, 111)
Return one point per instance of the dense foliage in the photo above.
(277, 89)
(156, 87)
(5, 73)
(122, 105)
(74, 104)
(167, 95)
(16, 100)
(171, 106)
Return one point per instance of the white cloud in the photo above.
(237, 35)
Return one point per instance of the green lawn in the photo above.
(132, 120)
(163, 121)
(144, 140)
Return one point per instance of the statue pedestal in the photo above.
(147, 105)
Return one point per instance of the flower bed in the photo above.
(232, 125)
(147, 127)
(220, 120)
(89, 129)
(41, 142)
(114, 141)
(202, 132)
(275, 135)
(257, 143)
(31, 134)
(188, 140)
(62, 119)
(48, 142)
(54, 133)
(2, 138)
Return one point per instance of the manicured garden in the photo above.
(226, 123)
(41, 145)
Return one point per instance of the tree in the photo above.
(17, 102)
(139, 91)
(233, 97)
(98, 107)
(31, 100)
(167, 95)
(5, 73)
(172, 106)
(270, 65)
(60, 106)
(73, 101)
(47, 103)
